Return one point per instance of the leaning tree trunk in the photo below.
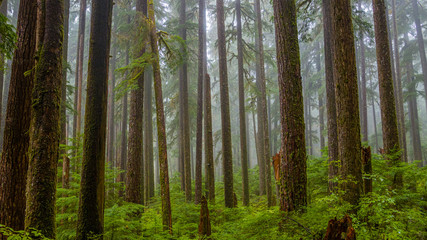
(134, 176)
(91, 204)
(14, 158)
(161, 126)
(293, 175)
(227, 154)
(45, 129)
(330, 96)
(385, 79)
(348, 124)
(242, 114)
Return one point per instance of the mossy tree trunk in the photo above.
(385, 79)
(45, 129)
(347, 105)
(14, 158)
(65, 159)
(262, 106)
(242, 111)
(330, 96)
(293, 176)
(91, 204)
(134, 169)
(227, 154)
(161, 126)
(148, 135)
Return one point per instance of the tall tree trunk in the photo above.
(209, 156)
(185, 145)
(348, 124)
(91, 204)
(330, 96)
(161, 127)
(148, 136)
(134, 176)
(385, 79)
(65, 159)
(45, 131)
(374, 115)
(110, 137)
(227, 154)
(14, 158)
(3, 10)
(124, 128)
(398, 84)
(79, 70)
(242, 113)
(364, 107)
(262, 102)
(320, 97)
(293, 181)
(413, 108)
(420, 40)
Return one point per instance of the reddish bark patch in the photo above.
(340, 229)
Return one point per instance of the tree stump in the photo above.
(340, 229)
(205, 223)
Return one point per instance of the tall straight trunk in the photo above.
(124, 128)
(209, 157)
(385, 79)
(227, 154)
(14, 158)
(413, 108)
(310, 130)
(320, 99)
(148, 136)
(183, 84)
(161, 126)
(134, 176)
(45, 129)
(91, 204)
(420, 40)
(374, 115)
(398, 84)
(348, 123)
(79, 69)
(242, 113)
(293, 175)
(364, 105)
(3, 10)
(330, 96)
(262, 102)
(65, 159)
(110, 142)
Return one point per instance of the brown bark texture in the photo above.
(91, 205)
(204, 222)
(340, 229)
(293, 176)
(45, 132)
(14, 158)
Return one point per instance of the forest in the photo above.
(203, 119)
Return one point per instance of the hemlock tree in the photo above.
(91, 205)
(388, 108)
(293, 175)
(45, 129)
(14, 157)
(161, 126)
(347, 106)
(227, 154)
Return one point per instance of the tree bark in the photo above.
(227, 154)
(134, 173)
(330, 96)
(91, 204)
(242, 113)
(347, 106)
(124, 129)
(148, 136)
(45, 129)
(14, 158)
(385, 79)
(320, 97)
(3, 10)
(293, 182)
(364, 107)
(65, 159)
(110, 142)
(161, 128)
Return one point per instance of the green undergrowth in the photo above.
(386, 213)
